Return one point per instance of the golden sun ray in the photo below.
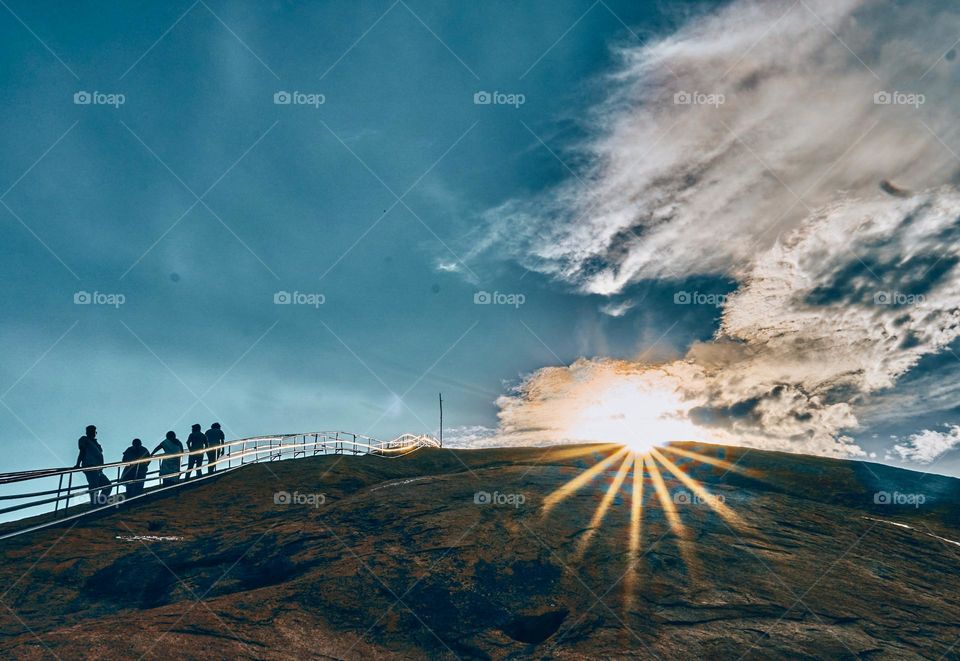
(602, 508)
(713, 461)
(562, 454)
(712, 501)
(636, 535)
(684, 543)
(580, 481)
(648, 463)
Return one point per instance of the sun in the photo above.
(634, 416)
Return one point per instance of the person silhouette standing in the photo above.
(91, 454)
(196, 441)
(169, 468)
(134, 474)
(215, 440)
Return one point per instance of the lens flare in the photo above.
(636, 415)
(645, 422)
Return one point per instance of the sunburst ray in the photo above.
(631, 579)
(684, 544)
(713, 461)
(603, 507)
(715, 503)
(580, 481)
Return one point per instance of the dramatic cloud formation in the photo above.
(928, 445)
(759, 143)
(681, 183)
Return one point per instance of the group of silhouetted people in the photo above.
(133, 476)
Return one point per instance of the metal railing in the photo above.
(231, 455)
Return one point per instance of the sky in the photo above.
(291, 217)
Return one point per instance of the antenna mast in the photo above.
(441, 419)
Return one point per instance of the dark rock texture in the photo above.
(401, 562)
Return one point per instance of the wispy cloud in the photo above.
(755, 143)
(721, 138)
(927, 446)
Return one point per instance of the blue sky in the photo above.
(199, 198)
(97, 197)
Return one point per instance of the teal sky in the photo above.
(103, 199)
(188, 205)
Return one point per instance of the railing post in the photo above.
(56, 506)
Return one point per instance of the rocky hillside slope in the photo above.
(373, 558)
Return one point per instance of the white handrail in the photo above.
(234, 454)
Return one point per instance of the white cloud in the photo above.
(680, 189)
(842, 287)
(617, 309)
(472, 436)
(928, 445)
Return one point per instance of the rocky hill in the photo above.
(448, 554)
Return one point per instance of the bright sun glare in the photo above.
(636, 417)
(643, 415)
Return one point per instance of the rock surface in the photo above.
(399, 561)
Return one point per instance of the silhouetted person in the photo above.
(91, 454)
(169, 468)
(215, 440)
(134, 475)
(195, 441)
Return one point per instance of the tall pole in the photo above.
(441, 419)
